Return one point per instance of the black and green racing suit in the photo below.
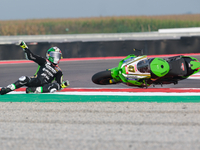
(42, 81)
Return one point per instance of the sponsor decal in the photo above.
(132, 79)
(45, 75)
(182, 67)
(126, 68)
(48, 72)
(131, 68)
(50, 68)
(133, 76)
(128, 59)
(135, 68)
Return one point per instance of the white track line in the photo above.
(120, 93)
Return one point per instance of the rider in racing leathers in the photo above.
(47, 72)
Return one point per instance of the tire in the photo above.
(102, 77)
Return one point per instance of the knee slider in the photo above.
(53, 90)
(24, 79)
(51, 87)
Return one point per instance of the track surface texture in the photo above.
(78, 73)
(95, 125)
(114, 126)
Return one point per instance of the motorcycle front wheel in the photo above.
(102, 77)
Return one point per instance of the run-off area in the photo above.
(99, 125)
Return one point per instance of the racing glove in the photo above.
(23, 45)
(65, 84)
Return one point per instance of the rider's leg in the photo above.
(51, 88)
(47, 88)
(19, 83)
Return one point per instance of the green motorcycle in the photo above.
(142, 71)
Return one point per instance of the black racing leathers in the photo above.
(46, 73)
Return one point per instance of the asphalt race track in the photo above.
(78, 73)
(95, 125)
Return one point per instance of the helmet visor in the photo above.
(56, 56)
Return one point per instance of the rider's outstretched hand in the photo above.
(65, 84)
(22, 44)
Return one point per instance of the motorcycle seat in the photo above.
(177, 67)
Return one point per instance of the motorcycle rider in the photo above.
(47, 72)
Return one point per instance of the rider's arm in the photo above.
(30, 56)
(59, 77)
(59, 80)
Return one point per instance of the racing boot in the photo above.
(34, 90)
(7, 89)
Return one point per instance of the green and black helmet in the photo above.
(54, 55)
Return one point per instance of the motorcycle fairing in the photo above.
(138, 68)
(159, 67)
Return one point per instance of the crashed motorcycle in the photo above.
(141, 71)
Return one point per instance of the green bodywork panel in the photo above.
(195, 64)
(159, 67)
(118, 71)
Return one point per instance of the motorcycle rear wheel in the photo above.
(102, 77)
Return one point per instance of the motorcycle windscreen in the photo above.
(143, 66)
